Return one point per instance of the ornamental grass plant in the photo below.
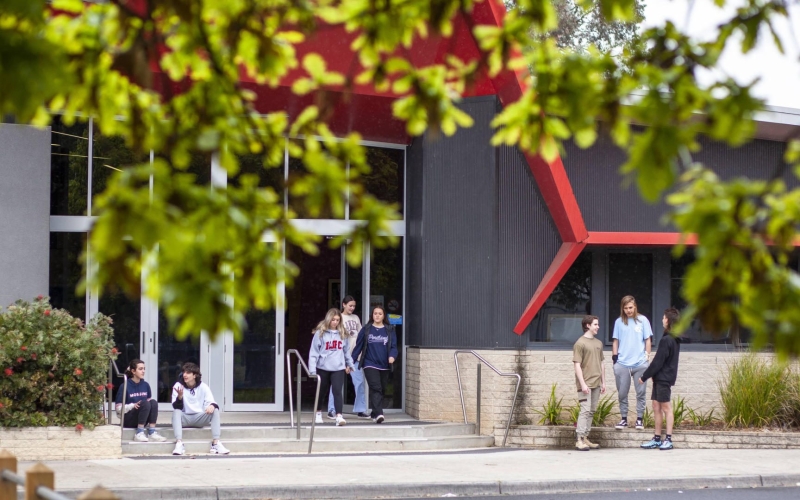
(760, 393)
(53, 368)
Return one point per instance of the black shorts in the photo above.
(662, 392)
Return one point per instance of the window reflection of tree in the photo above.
(571, 296)
(69, 167)
(385, 181)
(111, 155)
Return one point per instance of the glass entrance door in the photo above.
(254, 366)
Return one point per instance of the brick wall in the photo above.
(61, 443)
(432, 389)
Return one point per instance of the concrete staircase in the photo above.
(356, 437)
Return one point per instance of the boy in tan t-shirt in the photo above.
(590, 377)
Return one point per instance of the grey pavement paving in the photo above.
(470, 473)
(792, 493)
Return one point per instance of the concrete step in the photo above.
(353, 429)
(329, 445)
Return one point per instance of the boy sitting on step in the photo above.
(194, 406)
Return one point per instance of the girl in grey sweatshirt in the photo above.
(330, 358)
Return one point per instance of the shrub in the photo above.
(648, 419)
(701, 419)
(551, 411)
(53, 369)
(758, 393)
(679, 411)
(604, 408)
(574, 412)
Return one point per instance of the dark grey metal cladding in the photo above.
(479, 237)
(528, 242)
(24, 212)
(608, 204)
(605, 202)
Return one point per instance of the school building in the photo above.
(501, 252)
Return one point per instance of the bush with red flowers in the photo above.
(51, 366)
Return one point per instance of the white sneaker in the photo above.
(179, 448)
(379, 419)
(156, 437)
(219, 449)
(318, 420)
(141, 437)
(340, 421)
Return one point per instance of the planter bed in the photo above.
(537, 436)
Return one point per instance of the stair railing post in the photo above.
(299, 399)
(8, 489)
(36, 476)
(478, 417)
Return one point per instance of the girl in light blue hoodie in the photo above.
(330, 358)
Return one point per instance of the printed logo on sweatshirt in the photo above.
(333, 345)
(137, 394)
(351, 326)
(377, 338)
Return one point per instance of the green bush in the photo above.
(604, 408)
(758, 393)
(551, 411)
(700, 419)
(679, 411)
(53, 368)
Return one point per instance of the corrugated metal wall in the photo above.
(479, 238)
(607, 205)
(528, 242)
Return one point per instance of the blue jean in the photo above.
(360, 404)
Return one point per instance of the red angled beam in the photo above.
(558, 268)
(622, 238)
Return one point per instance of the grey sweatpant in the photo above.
(623, 376)
(181, 420)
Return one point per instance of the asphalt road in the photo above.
(710, 494)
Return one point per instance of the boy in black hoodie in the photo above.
(664, 372)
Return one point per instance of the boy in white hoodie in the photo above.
(329, 357)
(193, 405)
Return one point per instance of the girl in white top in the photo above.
(352, 325)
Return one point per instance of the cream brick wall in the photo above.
(432, 390)
(61, 443)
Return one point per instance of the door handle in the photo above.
(279, 343)
(154, 342)
(144, 347)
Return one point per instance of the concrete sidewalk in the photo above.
(488, 472)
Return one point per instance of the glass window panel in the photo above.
(126, 313)
(296, 171)
(69, 167)
(254, 360)
(267, 176)
(110, 155)
(385, 181)
(386, 289)
(172, 354)
(559, 319)
(630, 274)
(200, 167)
(695, 333)
(66, 271)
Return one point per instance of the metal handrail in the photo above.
(461, 392)
(124, 390)
(41, 491)
(301, 363)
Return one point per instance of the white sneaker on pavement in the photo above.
(318, 420)
(141, 437)
(340, 421)
(179, 448)
(219, 449)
